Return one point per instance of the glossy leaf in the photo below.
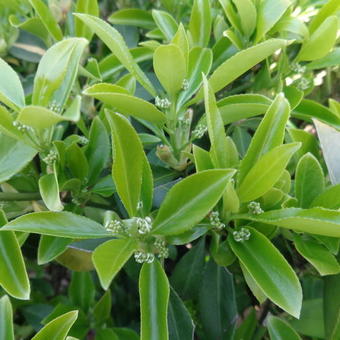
(133, 17)
(14, 279)
(202, 159)
(217, 136)
(102, 309)
(248, 15)
(110, 257)
(6, 319)
(58, 328)
(317, 221)
(88, 7)
(82, 290)
(166, 23)
(124, 103)
(49, 190)
(170, 67)
(53, 88)
(61, 224)
(268, 135)
(189, 201)
(266, 172)
(128, 162)
(181, 326)
(270, 270)
(200, 23)
(154, 297)
(321, 41)
(328, 9)
(47, 19)
(309, 180)
(217, 303)
(269, 12)
(115, 42)
(14, 156)
(11, 91)
(281, 330)
(318, 255)
(50, 247)
(330, 198)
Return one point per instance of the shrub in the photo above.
(171, 151)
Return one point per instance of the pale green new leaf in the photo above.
(266, 172)
(47, 19)
(110, 257)
(309, 180)
(270, 270)
(170, 67)
(132, 17)
(328, 9)
(190, 200)
(115, 42)
(13, 279)
(58, 328)
(166, 23)
(154, 294)
(6, 319)
(49, 190)
(248, 15)
(61, 224)
(128, 161)
(318, 221)
(123, 102)
(321, 41)
(87, 7)
(200, 23)
(11, 91)
(268, 135)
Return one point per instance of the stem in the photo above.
(19, 196)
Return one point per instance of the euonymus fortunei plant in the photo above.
(178, 156)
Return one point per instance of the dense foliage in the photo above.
(169, 169)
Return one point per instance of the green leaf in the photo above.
(110, 257)
(309, 180)
(170, 67)
(87, 7)
(49, 190)
(189, 201)
(98, 140)
(61, 224)
(128, 162)
(14, 156)
(202, 159)
(331, 59)
(51, 87)
(270, 270)
(81, 290)
(154, 297)
(268, 135)
(247, 328)
(200, 61)
(318, 255)
(102, 309)
(281, 330)
(6, 319)
(268, 14)
(124, 103)
(181, 326)
(331, 306)
(58, 328)
(321, 41)
(115, 42)
(329, 8)
(241, 62)
(200, 23)
(132, 17)
(247, 12)
(330, 198)
(50, 247)
(166, 23)
(317, 221)
(266, 172)
(11, 91)
(217, 136)
(13, 279)
(217, 303)
(47, 19)
(187, 275)
(77, 162)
